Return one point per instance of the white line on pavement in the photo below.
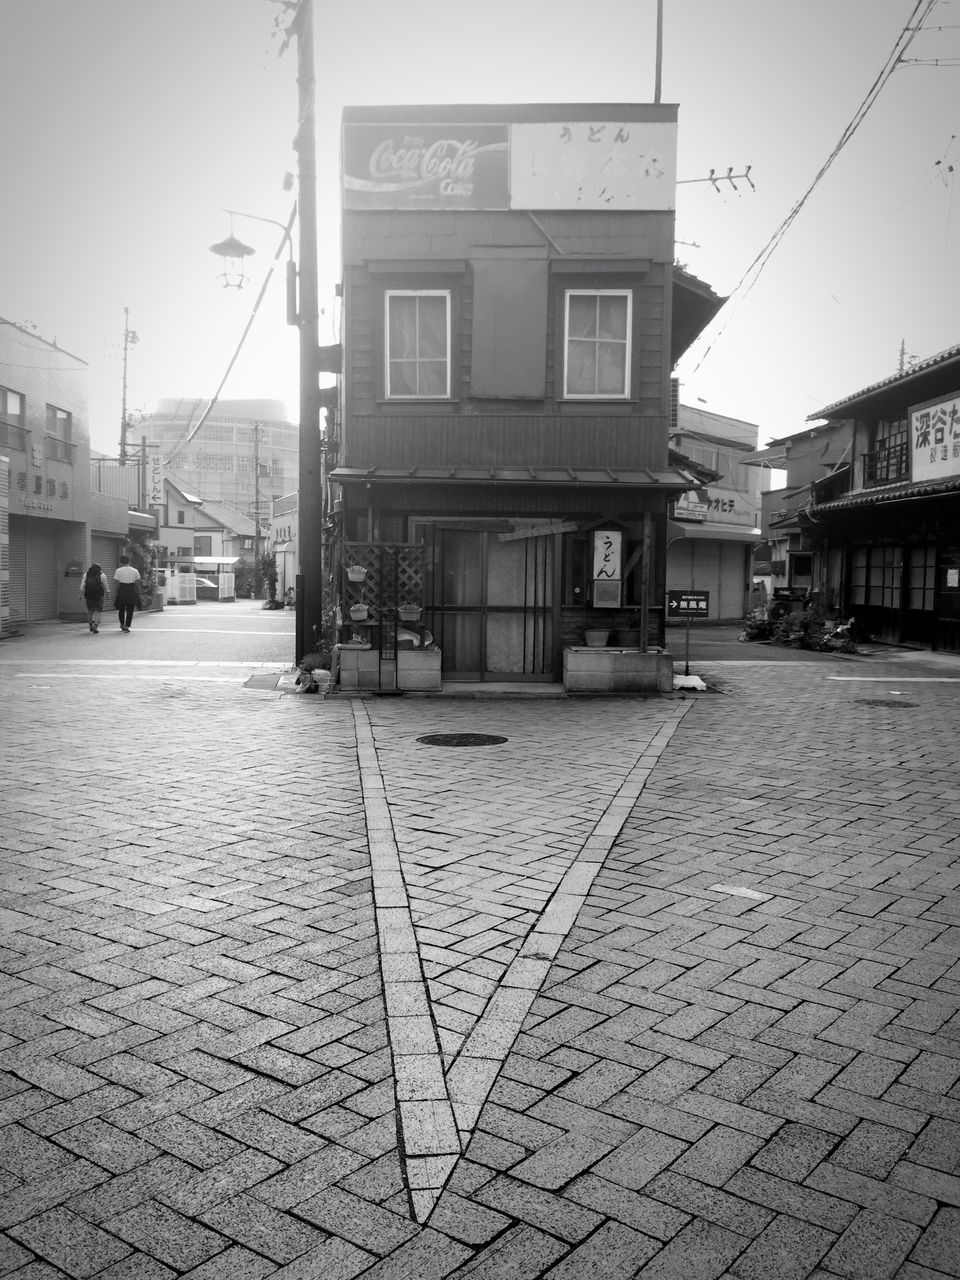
(900, 679)
(145, 662)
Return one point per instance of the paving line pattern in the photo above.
(440, 1088)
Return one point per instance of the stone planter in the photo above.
(419, 669)
(616, 670)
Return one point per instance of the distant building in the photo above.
(51, 524)
(245, 452)
(714, 530)
(867, 522)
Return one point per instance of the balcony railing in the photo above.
(12, 437)
(61, 450)
(886, 465)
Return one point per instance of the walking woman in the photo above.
(93, 592)
(127, 594)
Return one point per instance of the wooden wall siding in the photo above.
(507, 500)
(507, 440)
(363, 322)
(375, 235)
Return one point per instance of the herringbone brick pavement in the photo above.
(743, 1060)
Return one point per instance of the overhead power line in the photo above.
(911, 30)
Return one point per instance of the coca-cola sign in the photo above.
(425, 166)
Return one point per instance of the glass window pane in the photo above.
(611, 368)
(403, 378)
(582, 368)
(403, 328)
(582, 316)
(613, 318)
(433, 378)
(433, 327)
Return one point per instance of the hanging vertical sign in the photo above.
(607, 568)
(154, 477)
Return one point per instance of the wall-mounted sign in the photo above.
(603, 164)
(935, 439)
(425, 166)
(575, 164)
(607, 568)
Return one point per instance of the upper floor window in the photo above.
(597, 326)
(59, 422)
(11, 407)
(417, 329)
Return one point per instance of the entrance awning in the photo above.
(210, 561)
(713, 530)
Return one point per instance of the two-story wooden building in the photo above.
(511, 316)
(884, 526)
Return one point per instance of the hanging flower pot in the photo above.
(358, 612)
(356, 572)
(409, 612)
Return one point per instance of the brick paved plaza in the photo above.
(656, 987)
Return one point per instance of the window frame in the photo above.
(595, 396)
(447, 295)
(59, 423)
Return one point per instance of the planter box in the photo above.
(359, 667)
(419, 669)
(616, 671)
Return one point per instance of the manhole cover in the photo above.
(461, 739)
(884, 702)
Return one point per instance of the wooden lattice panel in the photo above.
(394, 575)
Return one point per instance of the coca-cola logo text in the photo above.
(448, 161)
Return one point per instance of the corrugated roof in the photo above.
(916, 370)
(890, 493)
(634, 479)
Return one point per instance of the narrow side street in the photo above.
(648, 987)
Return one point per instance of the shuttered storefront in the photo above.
(33, 570)
(106, 552)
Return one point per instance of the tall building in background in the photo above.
(241, 442)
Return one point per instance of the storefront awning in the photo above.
(713, 530)
(210, 561)
(668, 480)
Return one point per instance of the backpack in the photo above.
(93, 588)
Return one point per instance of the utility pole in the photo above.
(256, 502)
(130, 339)
(309, 621)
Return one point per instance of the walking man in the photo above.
(127, 593)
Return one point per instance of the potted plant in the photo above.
(595, 637)
(359, 611)
(409, 612)
(356, 572)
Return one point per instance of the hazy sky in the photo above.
(129, 125)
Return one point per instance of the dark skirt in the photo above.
(127, 596)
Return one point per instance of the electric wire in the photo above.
(755, 269)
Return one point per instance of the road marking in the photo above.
(145, 662)
(900, 679)
(439, 1108)
(121, 675)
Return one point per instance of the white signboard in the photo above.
(154, 478)
(602, 164)
(935, 439)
